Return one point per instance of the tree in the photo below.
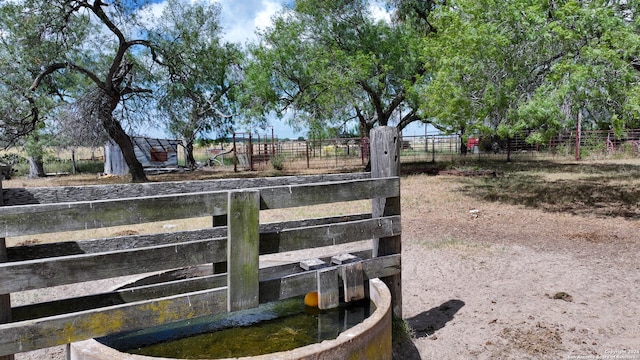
(88, 40)
(202, 71)
(72, 127)
(330, 62)
(512, 67)
(24, 47)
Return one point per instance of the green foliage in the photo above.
(277, 161)
(198, 93)
(331, 62)
(507, 67)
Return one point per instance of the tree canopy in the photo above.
(466, 66)
(329, 62)
(533, 65)
(201, 72)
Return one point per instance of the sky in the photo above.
(240, 21)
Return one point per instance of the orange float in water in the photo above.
(311, 299)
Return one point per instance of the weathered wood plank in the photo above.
(92, 246)
(267, 232)
(117, 297)
(331, 234)
(242, 249)
(281, 270)
(50, 195)
(34, 274)
(385, 162)
(330, 192)
(38, 219)
(353, 279)
(383, 266)
(57, 330)
(328, 288)
(5, 299)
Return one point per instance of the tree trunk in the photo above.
(73, 161)
(117, 133)
(107, 104)
(36, 167)
(190, 159)
(463, 148)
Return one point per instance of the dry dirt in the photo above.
(489, 272)
(497, 280)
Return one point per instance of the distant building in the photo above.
(152, 154)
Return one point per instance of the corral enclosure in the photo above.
(256, 152)
(234, 246)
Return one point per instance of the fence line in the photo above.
(260, 153)
(237, 245)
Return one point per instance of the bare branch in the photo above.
(64, 65)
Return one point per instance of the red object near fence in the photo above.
(472, 142)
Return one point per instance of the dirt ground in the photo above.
(527, 264)
(556, 279)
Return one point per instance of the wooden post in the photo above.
(235, 154)
(307, 143)
(250, 152)
(385, 162)
(328, 288)
(5, 299)
(242, 249)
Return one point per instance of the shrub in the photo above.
(277, 161)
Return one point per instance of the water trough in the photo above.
(370, 339)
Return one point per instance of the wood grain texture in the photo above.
(385, 162)
(268, 232)
(236, 240)
(48, 218)
(60, 194)
(242, 249)
(328, 289)
(35, 274)
(58, 330)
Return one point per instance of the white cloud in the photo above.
(379, 12)
(263, 18)
(241, 19)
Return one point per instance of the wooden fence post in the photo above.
(385, 162)
(243, 234)
(5, 299)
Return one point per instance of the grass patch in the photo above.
(450, 243)
(401, 331)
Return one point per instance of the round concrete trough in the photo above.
(369, 340)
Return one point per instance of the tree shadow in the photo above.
(434, 319)
(423, 325)
(603, 190)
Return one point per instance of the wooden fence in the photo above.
(233, 245)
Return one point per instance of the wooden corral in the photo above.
(233, 247)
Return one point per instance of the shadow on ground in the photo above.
(600, 189)
(426, 324)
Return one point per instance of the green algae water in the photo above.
(284, 326)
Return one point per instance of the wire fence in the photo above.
(262, 153)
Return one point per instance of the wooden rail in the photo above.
(238, 245)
